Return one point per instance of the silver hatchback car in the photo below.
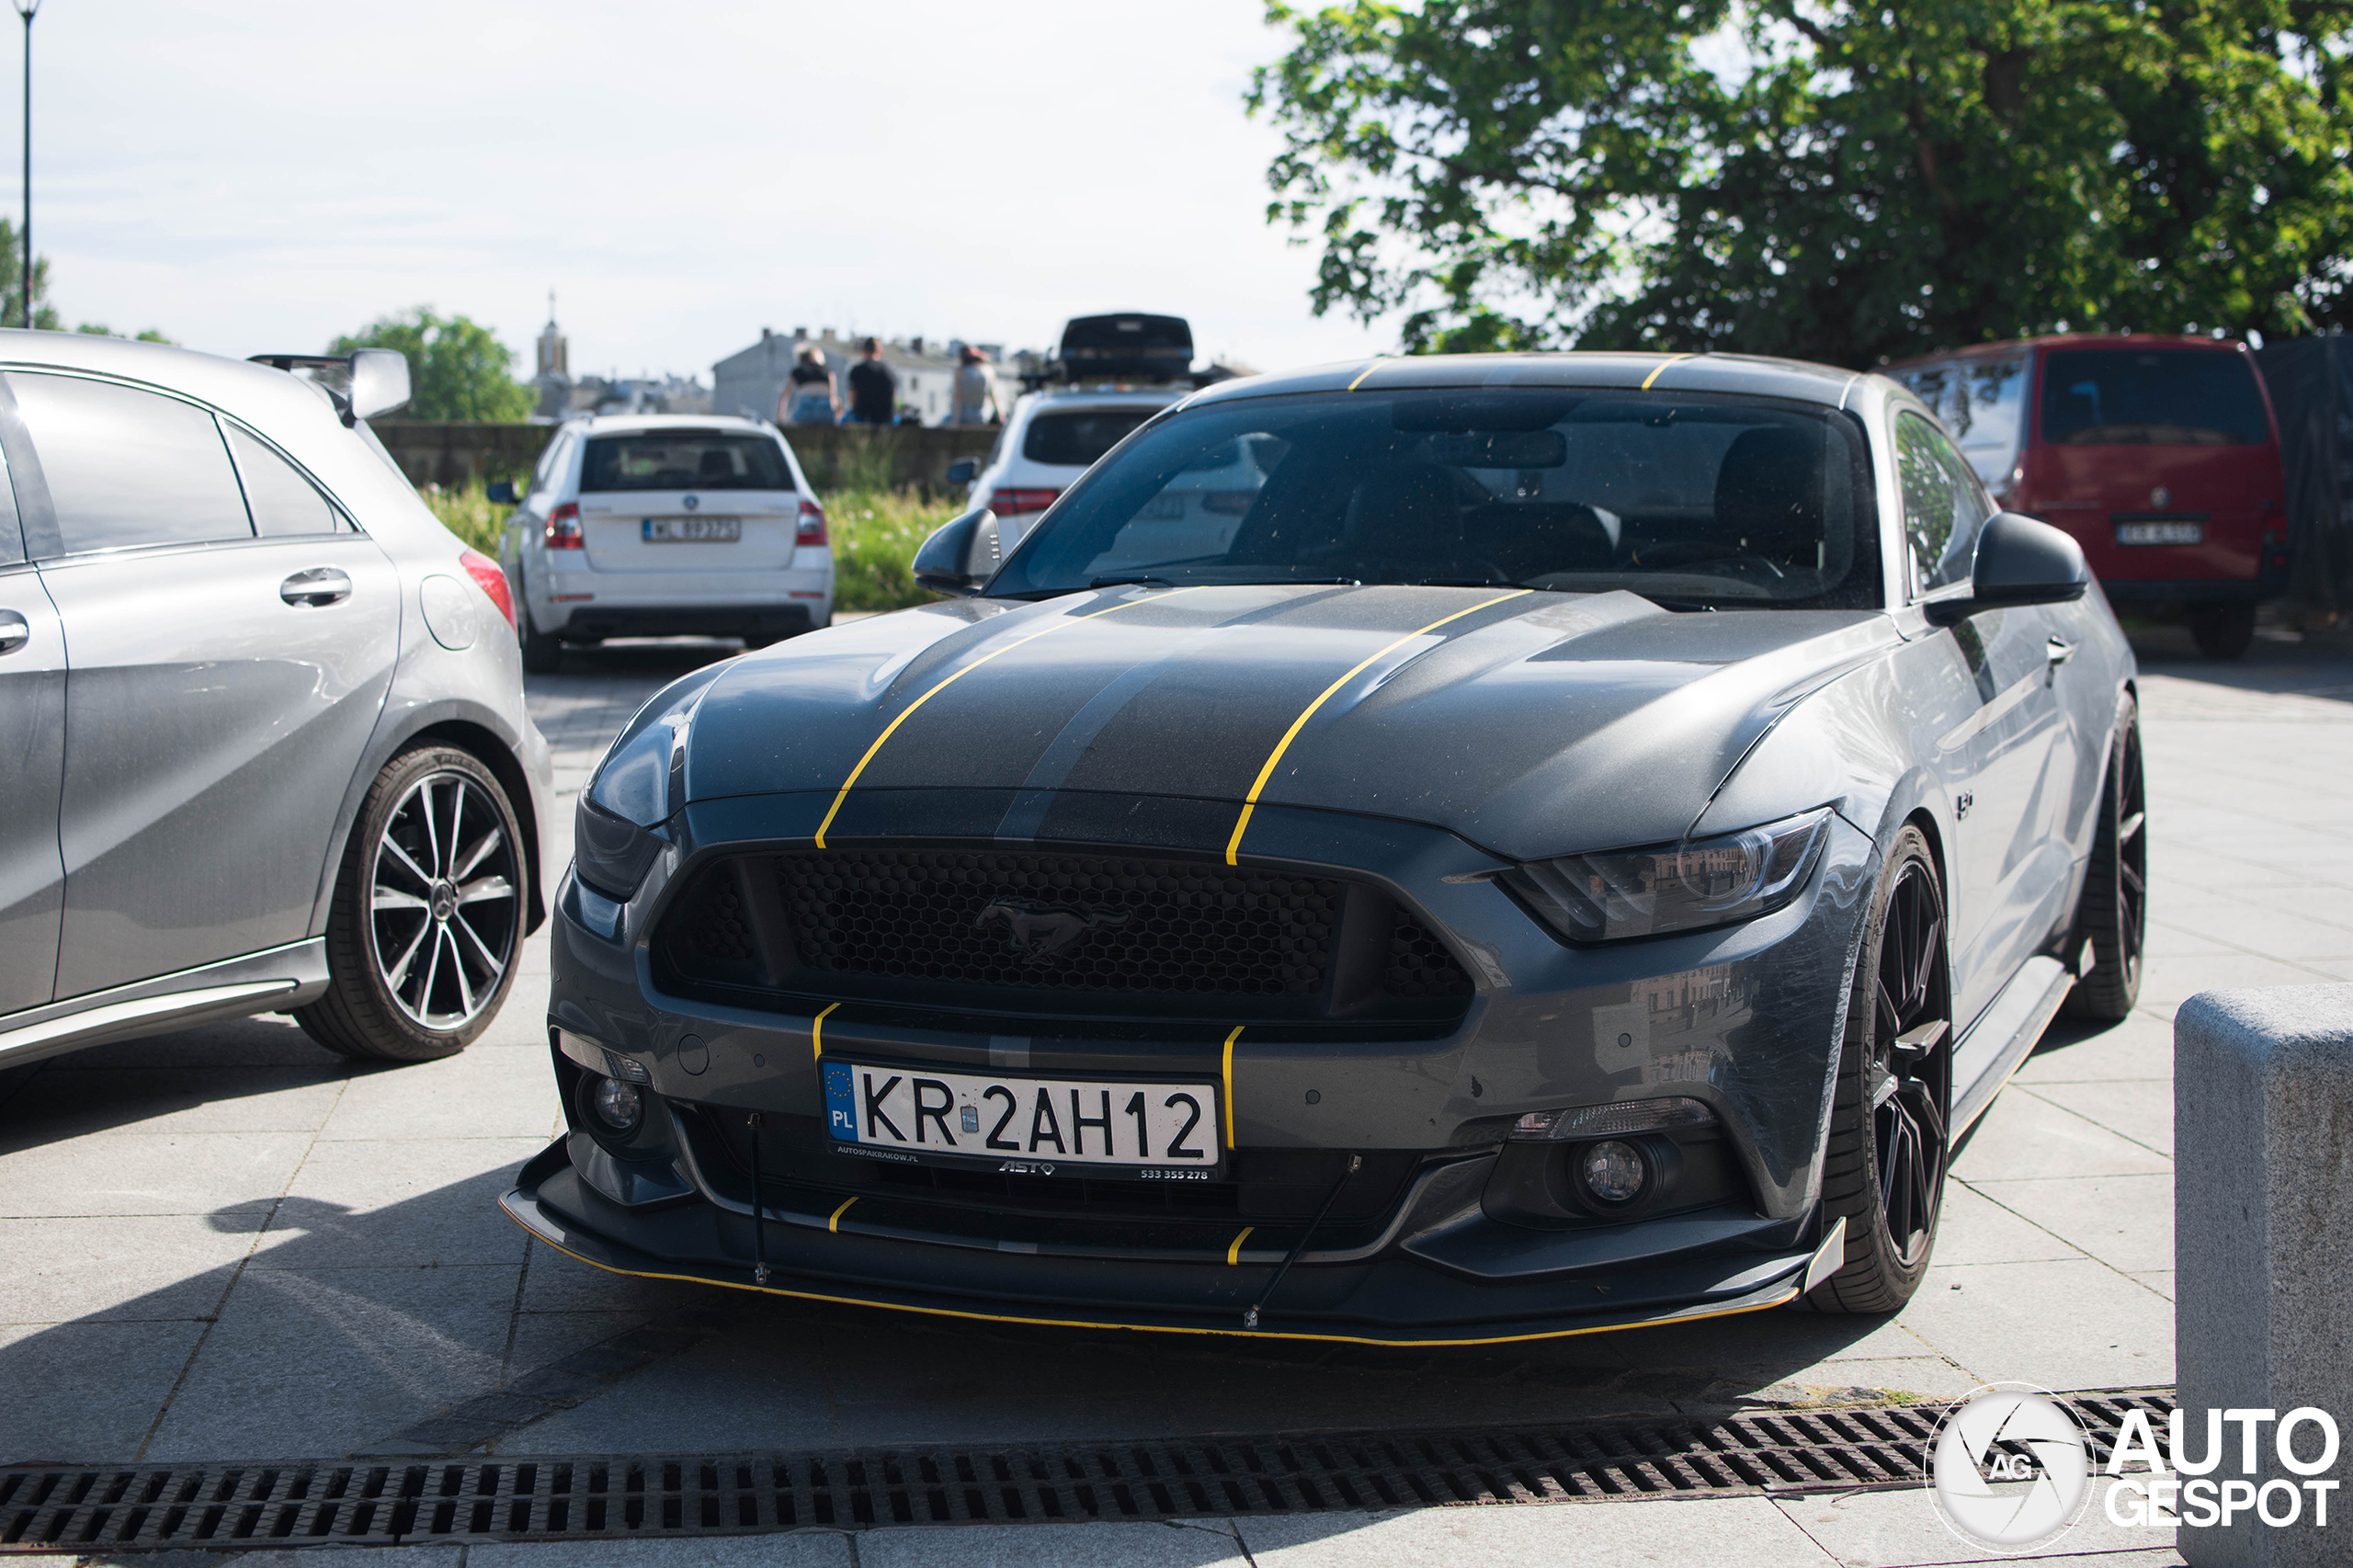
(263, 744)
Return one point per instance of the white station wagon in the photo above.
(665, 526)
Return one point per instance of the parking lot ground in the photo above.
(228, 1245)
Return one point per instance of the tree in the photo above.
(12, 282)
(1818, 177)
(458, 369)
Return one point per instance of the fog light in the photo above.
(1613, 1172)
(618, 1106)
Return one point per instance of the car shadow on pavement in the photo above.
(318, 1327)
(177, 1083)
(660, 658)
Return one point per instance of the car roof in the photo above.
(1108, 397)
(620, 423)
(1752, 374)
(2074, 340)
(253, 393)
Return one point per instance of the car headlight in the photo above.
(1674, 887)
(639, 785)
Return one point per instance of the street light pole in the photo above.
(25, 8)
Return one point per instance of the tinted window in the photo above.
(684, 460)
(281, 500)
(1943, 508)
(127, 467)
(1075, 440)
(1982, 403)
(1708, 499)
(2151, 397)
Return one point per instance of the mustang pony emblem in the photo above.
(1041, 930)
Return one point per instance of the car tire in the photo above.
(401, 901)
(2224, 631)
(2113, 912)
(542, 653)
(1884, 1171)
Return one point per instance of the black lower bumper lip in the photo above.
(887, 1275)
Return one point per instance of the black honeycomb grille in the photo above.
(1419, 964)
(1102, 924)
(716, 924)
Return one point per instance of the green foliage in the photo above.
(458, 369)
(1817, 177)
(876, 533)
(469, 512)
(96, 329)
(12, 282)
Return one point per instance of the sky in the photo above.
(262, 176)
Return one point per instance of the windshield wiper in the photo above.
(1124, 582)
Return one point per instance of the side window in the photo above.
(1943, 505)
(551, 464)
(282, 500)
(126, 466)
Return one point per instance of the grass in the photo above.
(875, 532)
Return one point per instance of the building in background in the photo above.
(552, 378)
(561, 396)
(750, 383)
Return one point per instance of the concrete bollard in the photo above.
(2263, 1245)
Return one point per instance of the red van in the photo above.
(2159, 454)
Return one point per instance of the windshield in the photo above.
(2191, 397)
(683, 460)
(1711, 500)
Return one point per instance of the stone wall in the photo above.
(452, 454)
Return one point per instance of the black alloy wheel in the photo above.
(428, 912)
(2113, 915)
(1885, 1170)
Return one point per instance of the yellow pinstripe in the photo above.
(1670, 360)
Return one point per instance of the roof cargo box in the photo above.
(1126, 346)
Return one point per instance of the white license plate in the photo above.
(693, 530)
(1161, 1131)
(2160, 533)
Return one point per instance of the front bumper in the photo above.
(1746, 1019)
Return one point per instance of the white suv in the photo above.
(664, 526)
(1050, 439)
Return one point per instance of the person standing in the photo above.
(810, 396)
(976, 401)
(873, 390)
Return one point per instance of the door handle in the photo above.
(2059, 653)
(14, 631)
(319, 585)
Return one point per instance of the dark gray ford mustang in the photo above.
(1449, 850)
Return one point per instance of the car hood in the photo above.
(1529, 724)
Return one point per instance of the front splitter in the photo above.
(566, 1236)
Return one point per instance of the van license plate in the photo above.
(693, 530)
(2161, 533)
(1027, 1126)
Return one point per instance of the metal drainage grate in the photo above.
(696, 1495)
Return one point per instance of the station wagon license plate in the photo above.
(2161, 533)
(1027, 1126)
(693, 530)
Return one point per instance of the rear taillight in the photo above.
(490, 580)
(812, 532)
(564, 528)
(1013, 502)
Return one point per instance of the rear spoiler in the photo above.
(365, 384)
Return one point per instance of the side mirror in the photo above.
(379, 383)
(963, 471)
(2020, 560)
(500, 492)
(962, 556)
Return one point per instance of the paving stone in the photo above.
(309, 1363)
(2140, 1047)
(815, 1550)
(1895, 1530)
(1975, 1228)
(479, 1093)
(2140, 1110)
(1050, 1546)
(71, 1100)
(130, 1268)
(86, 1392)
(2021, 1136)
(2062, 1325)
(2124, 1221)
(1746, 1530)
(149, 1173)
(400, 1201)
